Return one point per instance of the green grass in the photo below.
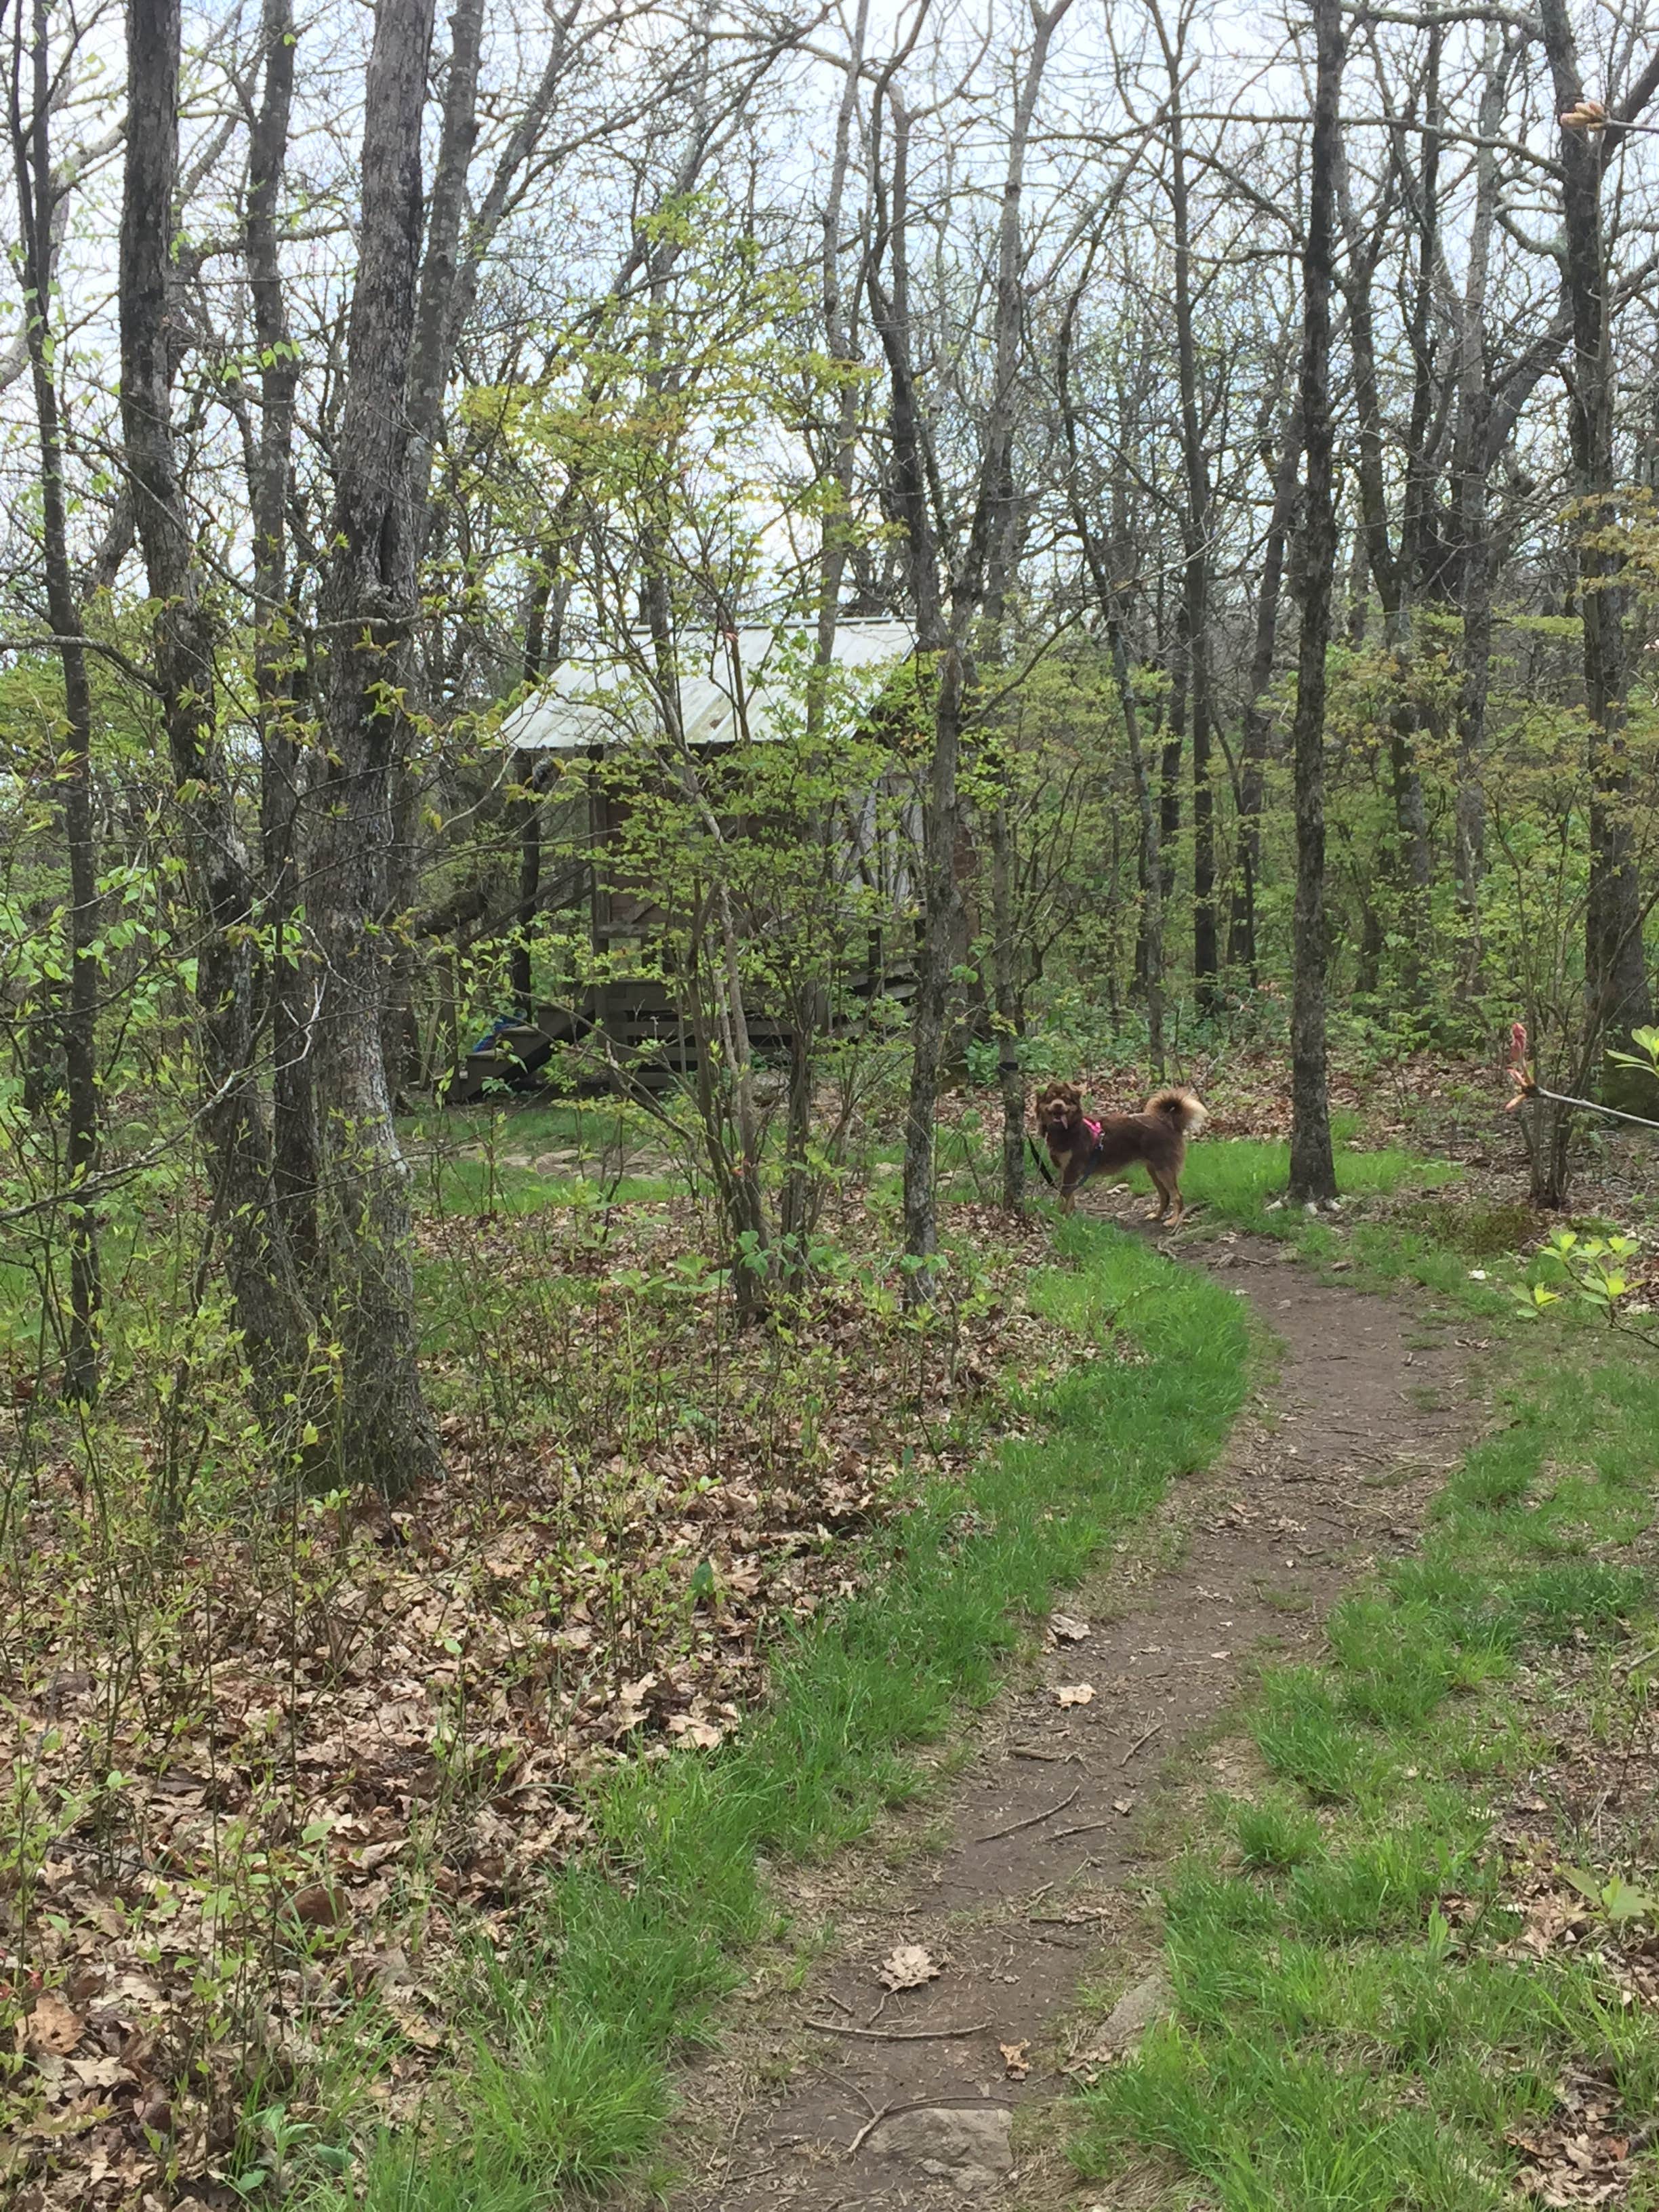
(1241, 1182)
(1345, 2035)
(462, 1156)
(634, 1945)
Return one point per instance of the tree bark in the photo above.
(1392, 573)
(277, 660)
(1108, 597)
(269, 1309)
(1196, 572)
(1616, 985)
(32, 157)
(1472, 464)
(386, 1435)
(989, 536)
(1241, 951)
(1313, 1172)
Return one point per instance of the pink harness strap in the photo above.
(1093, 1128)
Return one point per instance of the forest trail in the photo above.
(1050, 1821)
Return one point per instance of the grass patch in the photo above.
(1242, 1182)
(1353, 2025)
(632, 1946)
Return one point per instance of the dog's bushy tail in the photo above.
(1184, 1107)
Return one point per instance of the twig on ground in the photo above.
(1087, 1828)
(896, 2035)
(1140, 1743)
(918, 2104)
(867, 2131)
(1053, 1758)
(1034, 1820)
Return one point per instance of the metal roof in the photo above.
(593, 703)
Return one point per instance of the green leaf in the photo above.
(1621, 1901)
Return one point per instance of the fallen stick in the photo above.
(1034, 1820)
(867, 2131)
(1087, 1828)
(1053, 1758)
(917, 2105)
(1141, 1741)
(896, 2035)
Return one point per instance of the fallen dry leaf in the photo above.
(906, 1967)
(1066, 1630)
(415, 2026)
(1080, 1694)
(1014, 2061)
(1123, 1804)
(703, 1733)
(52, 2026)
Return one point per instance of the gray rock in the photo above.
(1149, 1999)
(966, 2146)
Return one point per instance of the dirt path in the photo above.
(1048, 1821)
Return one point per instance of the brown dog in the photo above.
(1156, 1137)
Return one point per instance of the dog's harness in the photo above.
(1093, 1128)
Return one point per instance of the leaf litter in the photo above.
(264, 1785)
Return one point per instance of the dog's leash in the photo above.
(1045, 1169)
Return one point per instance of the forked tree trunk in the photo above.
(1313, 1172)
(386, 1435)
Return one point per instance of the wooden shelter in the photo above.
(737, 687)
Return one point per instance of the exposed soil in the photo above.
(1049, 1825)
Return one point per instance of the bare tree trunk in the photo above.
(1098, 559)
(940, 902)
(433, 343)
(988, 535)
(1313, 1172)
(1195, 574)
(1391, 573)
(810, 1027)
(1615, 972)
(523, 816)
(32, 157)
(1007, 1003)
(369, 605)
(1170, 756)
(277, 659)
(1258, 720)
(1473, 466)
(269, 1310)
